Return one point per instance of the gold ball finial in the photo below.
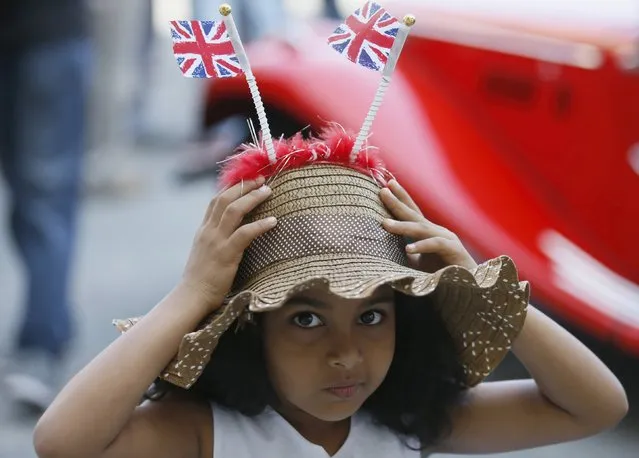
(409, 20)
(225, 9)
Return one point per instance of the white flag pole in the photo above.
(225, 11)
(387, 73)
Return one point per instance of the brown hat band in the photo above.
(308, 235)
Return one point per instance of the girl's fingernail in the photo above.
(264, 189)
(260, 180)
(410, 248)
(271, 220)
(389, 222)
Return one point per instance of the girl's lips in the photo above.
(344, 392)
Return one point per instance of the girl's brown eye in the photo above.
(371, 317)
(307, 320)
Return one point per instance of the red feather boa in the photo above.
(333, 146)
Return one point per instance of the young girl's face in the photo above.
(326, 355)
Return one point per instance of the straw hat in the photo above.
(330, 235)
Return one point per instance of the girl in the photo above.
(364, 347)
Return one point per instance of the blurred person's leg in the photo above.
(263, 18)
(7, 104)
(330, 9)
(145, 66)
(45, 104)
(121, 31)
(204, 10)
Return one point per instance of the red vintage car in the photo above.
(522, 138)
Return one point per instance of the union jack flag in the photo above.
(203, 49)
(367, 36)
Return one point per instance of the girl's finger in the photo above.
(450, 251)
(417, 230)
(403, 195)
(433, 245)
(398, 208)
(230, 195)
(235, 212)
(209, 210)
(246, 233)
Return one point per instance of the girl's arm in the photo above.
(572, 395)
(96, 414)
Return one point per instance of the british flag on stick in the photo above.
(203, 49)
(367, 36)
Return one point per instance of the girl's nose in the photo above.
(345, 354)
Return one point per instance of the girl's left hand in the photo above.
(436, 247)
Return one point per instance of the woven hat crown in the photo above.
(322, 209)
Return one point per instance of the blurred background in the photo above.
(516, 124)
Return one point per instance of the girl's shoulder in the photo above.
(174, 422)
(181, 406)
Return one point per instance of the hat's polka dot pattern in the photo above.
(309, 235)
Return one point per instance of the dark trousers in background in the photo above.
(42, 124)
(330, 9)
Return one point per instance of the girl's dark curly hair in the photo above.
(424, 383)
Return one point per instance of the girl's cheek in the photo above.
(304, 337)
(381, 336)
(382, 332)
(287, 335)
(380, 343)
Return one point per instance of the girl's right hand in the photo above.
(221, 240)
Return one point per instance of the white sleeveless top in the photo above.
(268, 435)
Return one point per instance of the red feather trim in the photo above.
(333, 146)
